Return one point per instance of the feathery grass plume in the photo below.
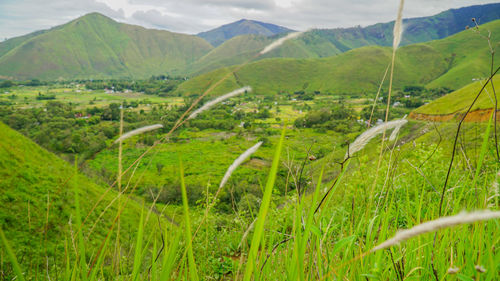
(369, 134)
(395, 132)
(480, 268)
(138, 132)
(444, 222)
(398, 26)
(238, 162)
(280, 42)
(213, 102)
(493, 192)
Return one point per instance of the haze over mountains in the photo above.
(95, 46)
(221, 34)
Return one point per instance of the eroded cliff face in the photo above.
(481, 115)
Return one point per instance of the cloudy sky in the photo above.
(19, 17)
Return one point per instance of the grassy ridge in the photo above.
(450, 62)
(416, 29)
(95, 46)
(460, 100)
(318, 43)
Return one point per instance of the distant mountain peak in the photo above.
(225, 32)
(94, 15)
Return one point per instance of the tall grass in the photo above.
(264, 209)
(193, 273)
(11, 256)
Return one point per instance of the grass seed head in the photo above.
(280, 42)
(362, 140)
(398, 26)
(480, 268)
(453, 270)
(217, 100)
(440, 223)
(238, 162)
(138, 132)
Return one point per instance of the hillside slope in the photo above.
(319, 43)
(32, 190)
(451, 62)
(95, 46)
(416, 30)
(460, 100)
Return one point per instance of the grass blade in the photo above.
(264, 208)
(169, 257)
(484, 147)
(138, 249)
(11, 255)
(81, 242)
(193, 274)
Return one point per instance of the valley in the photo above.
(130, 153)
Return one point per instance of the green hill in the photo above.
(320, 43)
(223, 33)
(451, 62)
(460, 100)
(234, 51)
(242, 48)
(28, 186)
(95, 46)
(416, 30)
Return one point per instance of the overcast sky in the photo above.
(19, 17)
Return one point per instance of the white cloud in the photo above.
(18, 17)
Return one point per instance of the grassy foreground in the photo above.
(291, 241)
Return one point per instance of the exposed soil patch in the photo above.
(480, 115)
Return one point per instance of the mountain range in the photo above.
(450, 62)
(223, 33)
(97, 47)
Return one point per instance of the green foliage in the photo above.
(193, 273)
(340, 119)
(263, 210)
(6, 84)
(11, 256)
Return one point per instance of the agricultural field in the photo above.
(79, 96)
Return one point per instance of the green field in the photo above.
(78, 95)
